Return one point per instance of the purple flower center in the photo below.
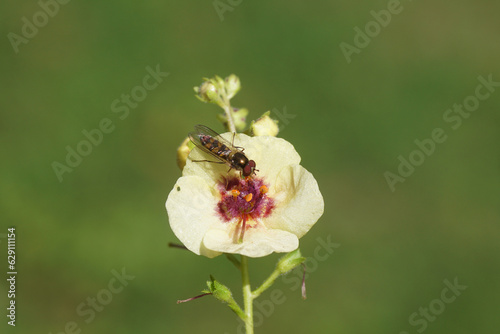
(244, 201)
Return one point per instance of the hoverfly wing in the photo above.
(203, 130)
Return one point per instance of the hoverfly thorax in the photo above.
(242, 163)
(225, 152)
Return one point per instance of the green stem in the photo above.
(229, 115)
(226, 105)
(267, 283)
(247, 295)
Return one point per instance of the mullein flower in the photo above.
(213, 211)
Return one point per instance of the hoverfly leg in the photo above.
(232, 143)
(230, 168)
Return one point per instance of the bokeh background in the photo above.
(350, 122)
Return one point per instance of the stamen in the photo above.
(243, 228)
(235, 193)
(263, 189)
(249, 197)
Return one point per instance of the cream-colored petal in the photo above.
(190, 206)
(256, 242)
(299, 203)
(270, 154)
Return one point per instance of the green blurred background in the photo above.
(350, 123)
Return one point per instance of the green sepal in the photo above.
(222, 293)
(290, 261)
(233, 260)
(219, 290)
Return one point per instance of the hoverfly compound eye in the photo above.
(247, 170)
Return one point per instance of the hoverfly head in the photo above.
(249, 168)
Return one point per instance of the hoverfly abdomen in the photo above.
(214, 146)
(212, 143)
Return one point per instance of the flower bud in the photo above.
(290, 261)
(233, 85)
(208, 92)
(219, 291)
(183, 151)
(264, 126)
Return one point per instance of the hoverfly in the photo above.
(211, 142)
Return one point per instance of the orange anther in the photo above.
(263, 189)
(248, 197)
(235, 193)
